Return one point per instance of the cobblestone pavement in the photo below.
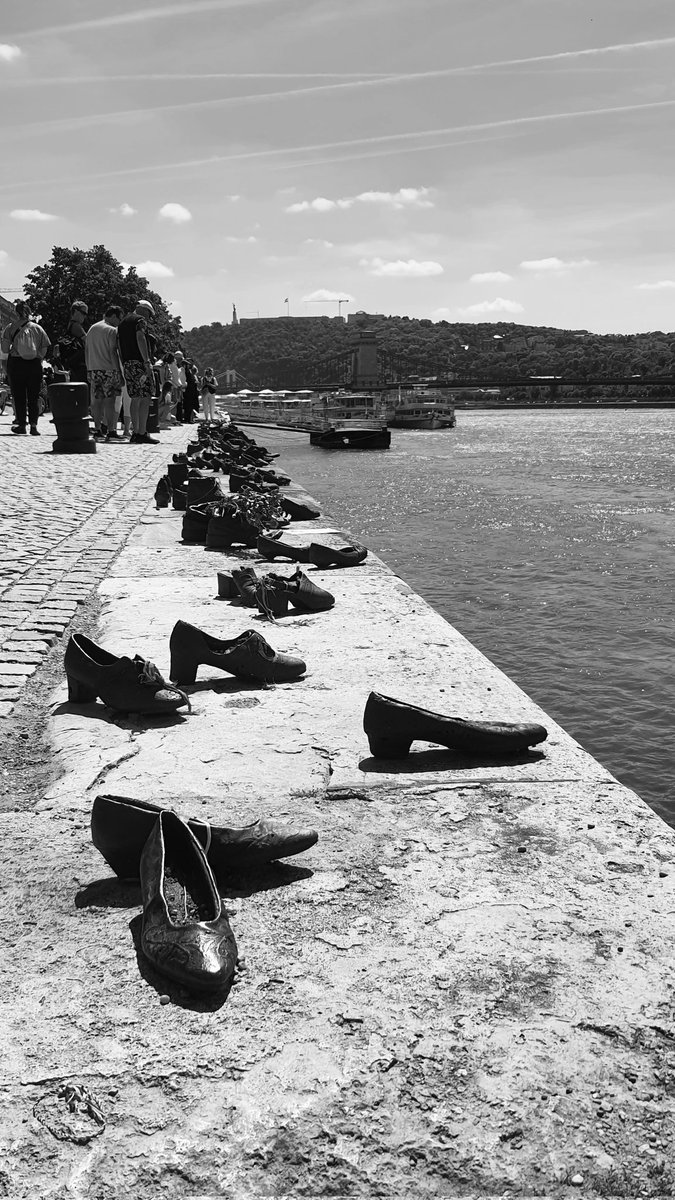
(63, 519)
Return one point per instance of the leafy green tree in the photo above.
(96, 277)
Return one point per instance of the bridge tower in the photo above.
(365, 365)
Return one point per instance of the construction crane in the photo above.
(338, 302)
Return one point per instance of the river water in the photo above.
(547, 538)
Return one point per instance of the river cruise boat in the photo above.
(423, 409)
(350, 421)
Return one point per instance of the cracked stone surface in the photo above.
(464, 989)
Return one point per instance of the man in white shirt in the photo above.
(105, 371)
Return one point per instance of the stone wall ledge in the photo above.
(464, 989)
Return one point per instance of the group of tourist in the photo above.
(116, 357)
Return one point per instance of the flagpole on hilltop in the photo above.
(288, 307)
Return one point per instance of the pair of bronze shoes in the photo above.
(272, 594)
(271, 546)
(186, 934)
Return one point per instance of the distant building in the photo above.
(363, 318)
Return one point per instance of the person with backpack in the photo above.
(25, 343)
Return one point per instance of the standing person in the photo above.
(138, 373)
(191, 394)
(209, 385)
(25, 343)
(106, 373)
(76, 362)
(178, 381)
(165, 391)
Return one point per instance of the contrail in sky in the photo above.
(376, 78)
(293, 93)
(138, 16)
(381, 139)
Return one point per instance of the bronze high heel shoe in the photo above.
(125, 684)
(248, 656)
(270, 546)
(392, 726)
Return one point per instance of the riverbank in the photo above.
(464, 988)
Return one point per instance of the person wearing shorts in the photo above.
(105, 373)
(138, 374)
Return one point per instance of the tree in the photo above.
(96, 277)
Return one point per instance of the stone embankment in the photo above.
(464, 989)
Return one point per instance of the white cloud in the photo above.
(442, 314)
(485, 307)
(31, 214)
(321, 204)
(661, 285)
(9, 52)
(321, 242)
(123, 210)
(154, 270)
(403, 198)
(176, 213)
(241, 241)
(556, 264)
(4, 257)
(325, 294)
(400, 268)
(490, 277)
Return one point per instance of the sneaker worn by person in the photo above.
(35, 432)
(18, 428)
(146, 440)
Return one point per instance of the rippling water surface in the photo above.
(547, 538)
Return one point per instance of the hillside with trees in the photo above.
(294, 351)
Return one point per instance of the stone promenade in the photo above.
(63, 520)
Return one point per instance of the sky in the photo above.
(466, 160)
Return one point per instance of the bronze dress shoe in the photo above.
(248, 656)
(392, 726)
(342, 556)
(125, 684)
(185, 933)
(270, 546)
(273, 594)
(120, 827)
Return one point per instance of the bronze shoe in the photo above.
(185, 933)
(120, 827)
(125, 684)
(248, 656)
(392, 726)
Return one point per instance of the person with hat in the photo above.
(138, 373)
(25, 343)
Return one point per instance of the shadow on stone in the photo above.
(422, 761)
(179, 995)
(97, 711)
(266, 878)
(109, 893)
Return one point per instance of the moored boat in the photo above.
(423, 410)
